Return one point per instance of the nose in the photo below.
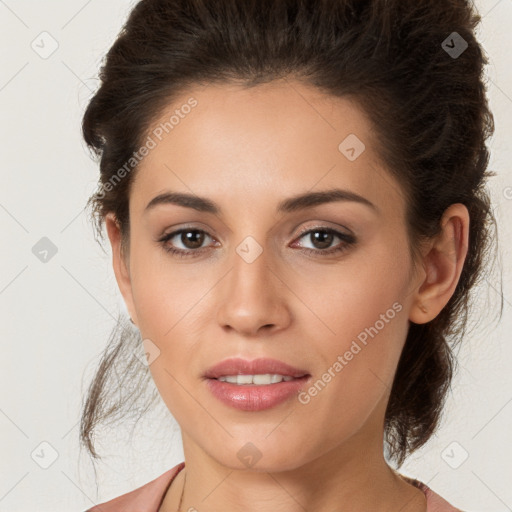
(253, 298)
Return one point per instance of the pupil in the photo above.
(189, 237)
(323, 237)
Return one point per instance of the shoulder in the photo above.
(146, 498)
(435, 503)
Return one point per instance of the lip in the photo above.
(238, 366)
(253, 397)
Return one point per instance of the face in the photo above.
(323, 286)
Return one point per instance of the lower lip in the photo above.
(252, 397)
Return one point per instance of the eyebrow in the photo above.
(289, 205)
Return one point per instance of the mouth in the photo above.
(258, 371)
(261, 379)
(254, 385)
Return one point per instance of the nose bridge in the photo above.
(251, 275)
(252, 295)
(251, 266)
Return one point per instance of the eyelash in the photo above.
(348, 241)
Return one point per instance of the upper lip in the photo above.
(237, 366)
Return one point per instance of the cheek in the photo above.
(350, 296)
(355, 374)
(171, 307)
(167, 295)
(359, 329)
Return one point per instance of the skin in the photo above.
(247, 150)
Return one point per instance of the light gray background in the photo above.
(56, 316)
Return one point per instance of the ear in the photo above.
(120, 263)
(442, 265)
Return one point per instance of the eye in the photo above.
(324, 237)
(191, 239)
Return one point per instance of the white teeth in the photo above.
(261, 379)
(244, 379)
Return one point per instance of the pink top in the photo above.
(149, 497)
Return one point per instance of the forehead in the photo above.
(282, 138)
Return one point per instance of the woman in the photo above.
(294, 193)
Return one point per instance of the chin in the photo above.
(258, 455)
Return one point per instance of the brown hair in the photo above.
(396, 59)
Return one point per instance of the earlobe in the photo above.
(442, 264)
(423, 308)
(120, 263)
